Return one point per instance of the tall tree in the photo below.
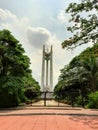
(13, 61)
(90, 65)
(82, 71)
(84, 21)
(15, 73)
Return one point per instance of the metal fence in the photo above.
(64, 99)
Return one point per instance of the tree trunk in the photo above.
(93, 85)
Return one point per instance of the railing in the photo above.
(66, 98)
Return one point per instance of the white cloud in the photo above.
(61, 16)
(8, 20)
(32, 39)
(6, 14)
(38, 36)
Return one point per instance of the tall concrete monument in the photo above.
(47, 69)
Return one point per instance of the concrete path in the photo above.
(49, 103)
(48, 118)
(45, 118)
(20, 111)
(48, 122)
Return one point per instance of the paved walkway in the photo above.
(48, 122)
(48, 118)
(49, 111)
(49, 103)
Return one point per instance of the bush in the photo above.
(30, 93)
(78, 100)
(8, 100)
(11, 91)
(93, 100)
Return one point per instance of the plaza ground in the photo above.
(49, 118)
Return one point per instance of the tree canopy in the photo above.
(15, 72)
(81, 71)
(84, 21)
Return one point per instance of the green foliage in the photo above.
(15, 73)
(80, 74)
(32, 87)
(11, 91)
(78, 100)
(90, 51)
(93, 100)
(31, 93)
(84, 23)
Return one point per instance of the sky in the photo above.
(36, 23)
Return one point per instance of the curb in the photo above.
(66, 114)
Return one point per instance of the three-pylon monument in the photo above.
(47, 69)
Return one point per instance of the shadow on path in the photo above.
(90, 121)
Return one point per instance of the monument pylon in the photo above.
(47, 69)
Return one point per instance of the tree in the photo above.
(90, 65)
(82, 71)
(84, 23)
(80, 75)
(15, 73)
(12, 55)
